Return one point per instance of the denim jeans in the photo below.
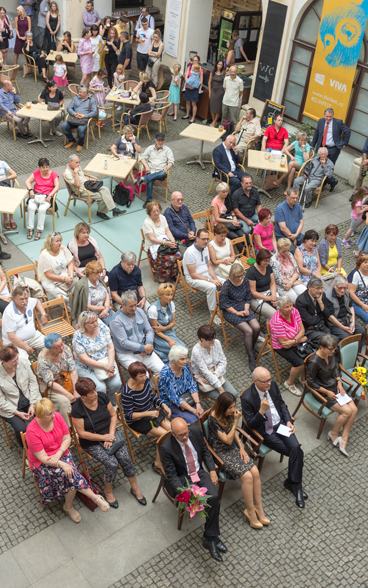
(107, 320)
(149, 179)
(245, 227)
(110, 386)
(67, 130)
(362, 314)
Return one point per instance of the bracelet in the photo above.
(198, 403)
(234, 427)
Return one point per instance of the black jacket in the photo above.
(221, 161)
(251, 404)
(338, 128)
(304, 304)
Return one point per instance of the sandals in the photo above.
(293, 389)
(30, 234)
(13, 225)
(101, 503)
(37, 236)
(76, 518)
(7, 226)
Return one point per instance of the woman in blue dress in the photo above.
(161, 315)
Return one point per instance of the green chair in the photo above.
(348, 356)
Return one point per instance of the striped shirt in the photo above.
(280, 327)
(138, 401)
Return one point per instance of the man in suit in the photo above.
(226, 159)
(264, 410)
(182, 454)
(329, 134)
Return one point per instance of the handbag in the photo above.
(67, 287)
(93, 186)
(305, 349)
(150, 62)
(73, 121)
(92, 484)
(167, 250)
(162, 416)
(100, 373)
(225, 269)
(188, 398)
(65, 380)
(53, 106)
(205, 386)
(35, 289)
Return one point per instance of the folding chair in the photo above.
(25, 457)
(62, 325)
(186, 288)
(203, 215)
(159, 183)
(80, 449)
(140, 258)
(218, 312)
(247, 251)
(75, 194)
(20, 270)
(7, 435)
(128, 430)
(267, 344)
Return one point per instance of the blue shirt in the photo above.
(290, 216)
(8, 101)
(365, 148)
(171, 387)
(29, 10)
(82, 106)
(175, 225)
(298, 152)
(120, 281)
(131, 335)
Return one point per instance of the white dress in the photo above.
(95, 46)
(221, 253)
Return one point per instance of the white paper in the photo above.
(284, 430)
(343, 399)
(172, 27)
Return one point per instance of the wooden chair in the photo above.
(75, 194)
(29, 66)
(9, 72)
(220, 176)
(186, 288)
(204, 217)
(73, 90)
(249, 145)
(16, 271)
(140, 258)
(267, 344)
(12, 122)
(218, 312)
(159, 115)
(144, 118)
(127, 430)
(25, 457)
(50, 211)
(62, 325)
(80, 449)
(247, 251)
(89, 128)
(7, 435)
(159, 183)
(348, 357)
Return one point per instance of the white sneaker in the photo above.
(51, 132)
(216, 320)
(58, 133)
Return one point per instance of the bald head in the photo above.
(262, 378)
(177, 200)
(7, 84)
(179, 429)
(230, 141)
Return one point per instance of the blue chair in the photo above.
(348, 356)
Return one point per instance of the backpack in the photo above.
(121, 195)
(229, 129)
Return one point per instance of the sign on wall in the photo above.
(337, 51)
(172, 27)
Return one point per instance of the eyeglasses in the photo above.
(25, 318)
(263, 381)
(182, 435)
(331, 228)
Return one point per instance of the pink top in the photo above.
(221, 208)
(38, 439)
(280, 327)
(266, 236)
(354, 213)
(44, 185)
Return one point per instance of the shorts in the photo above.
(291, 357)
(142, 60)
(354, 223)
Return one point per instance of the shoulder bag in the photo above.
(73, 121)
(117, 444)
(167, 250)
(93, 186)
(363, 294)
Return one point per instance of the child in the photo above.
(194, 80)
(119, 77)
(357, 210)
(60, 71)
(174, 97)
(97, 84)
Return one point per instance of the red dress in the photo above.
(22, 29)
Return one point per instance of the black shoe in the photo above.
(103, 216)
(333, 185)
(114, 504)
(25, 136)
(212, 548)
(140, 181)
(299, 499)
(144, 204)
(4, 255)
(291, 487)
(220, 546)
(142, 501)
(118, 212)
(308, 205)
(351, 197)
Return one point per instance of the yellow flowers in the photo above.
(363, 381)
(362, 370)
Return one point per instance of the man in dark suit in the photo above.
(226, 159)
(264, 410)
(329, 134)
(182, 454)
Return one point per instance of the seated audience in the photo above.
(6, 180)
(48, 440)
(323, 376)
(84, 249)
(276, 137)
(264, 232)
(287, 332)
(224, 439)
(127, 276)
(56, 268)
(91, 293)
(133, 335)
(18, 390)
(95, 420)
(127, 145)
(264, 410)
(142, 408)
(156, 234)
(198, 271)
(32, 49)
(18, 322)
(221, 250)
(343, 314)
(358, 288)
(180, 221)
(56, 369)
(46, 186)
(157, 160)
(307, 257)
(246, 204)
(133, 117)
(289, 219)
(5, 297)
(8, 99)
(321, 166)
(177, 388)
(66, 43)
(146, 86)
(53, 95)
(226, 159)
(84, 107)
(330, 251)
(248, 129)
(235, 303)
(286, 272)
(262, 285)
(76, 177)
(161, 315)
(301, 154)
(209, 363)
(95, 354)
(223, 213)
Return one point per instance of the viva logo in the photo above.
(338, 85)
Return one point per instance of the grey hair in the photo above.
(339, 280)
(128, 257)
(222, 187)
(314, 282)
(331, 110)
(321, 149)
(292, 191)
(84, 318)
(176, 352)
(29, 34)
(128, 295)
(83, 87)
(327, 341)
(73, 156)
(283, 300)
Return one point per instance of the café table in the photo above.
(40, 113)
(202, 133)
(119, 100)
(116, 168)
(68, 58)
(10, 199)
(257, 159)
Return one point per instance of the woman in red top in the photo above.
(264, 232)
(46, 186)
(53, 468)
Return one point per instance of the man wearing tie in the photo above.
(264, 410)
(182, 454)
(329, 134)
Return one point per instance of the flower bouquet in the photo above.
(193, 499)
(360, 375)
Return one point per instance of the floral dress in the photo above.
(99, 88)
(95, 347)
(48, 372)
(309, 262)
(281, 274)
(234, 465)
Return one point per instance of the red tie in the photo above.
(191, 465)
(325, 135)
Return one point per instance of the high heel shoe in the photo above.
(329, 438)
(337, 443)
(262, 520)
(253, 525)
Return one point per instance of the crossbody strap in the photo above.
(182, 222)
(363, 282)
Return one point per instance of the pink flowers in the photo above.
(193, 508)
(184, 496)
(197, 491)
(193, 499)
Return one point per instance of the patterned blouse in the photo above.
(95, 347)
(138, 401)
(48, 372)
(171, 387)
(310, 262)
(96, 294)
(279, 274)
(281, 328)
(202, 362)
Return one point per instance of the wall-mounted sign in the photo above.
(172, 27)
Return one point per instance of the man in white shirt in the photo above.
(157, 159)
(239, 51)
(233, 87)
(247, 129)
(198, 271)
(18, 325)
(144, 40)
(148, 16)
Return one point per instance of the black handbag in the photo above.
(150, 62)
(167, 250)
(188, 398)
(93, 186)
(305, 349)
(73, 121)
(229, 225)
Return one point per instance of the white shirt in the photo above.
(22, 324)
(195, 454)
(152, 312)
(199, 257)
(329, 139)
(232, 91)
(145, 40)
(274, 414)
(231, 161)
(157, 159)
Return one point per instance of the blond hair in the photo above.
(176, 68)
(284, 242)
(21, 9)
(81, 227)
(165, 289)
(42, 407)
(301, 136)
(144, 77)
(49, 239)
(120, 67)
(222, 187)
(196, 67)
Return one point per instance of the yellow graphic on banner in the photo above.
(337, 51)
